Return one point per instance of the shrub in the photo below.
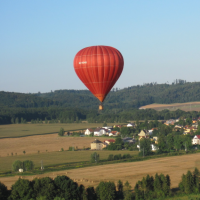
(110, 157)
(61, 132)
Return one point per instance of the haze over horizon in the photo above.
(159, 41)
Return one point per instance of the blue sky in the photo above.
(159, 41)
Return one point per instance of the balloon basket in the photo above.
(100, 107)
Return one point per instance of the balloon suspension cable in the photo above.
(101, 106)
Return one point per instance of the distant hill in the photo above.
(20, 100)
(131, 97)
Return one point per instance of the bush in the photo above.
(126, 156)
(61, 132)
(71, 148)
(117, 157)
(110, 157)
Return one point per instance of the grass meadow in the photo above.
(22, 130)
(54, 158)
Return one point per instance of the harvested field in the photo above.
(189, 106)
(132, 172)
(42, 143)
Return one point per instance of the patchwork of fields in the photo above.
(132, 172)
(47, 148)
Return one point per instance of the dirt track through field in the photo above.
(132, 172)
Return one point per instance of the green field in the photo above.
(54, 158)
(21, 130)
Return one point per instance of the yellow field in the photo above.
(21, 130)
(189, 106)
(132, 172)
(43, 143)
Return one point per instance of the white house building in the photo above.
(196, 140)
(89, 131)
(109, 128)
(153, 147)
(100, 132)
(130, 125)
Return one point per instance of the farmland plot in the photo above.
(132, 172)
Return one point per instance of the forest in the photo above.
(77, 105)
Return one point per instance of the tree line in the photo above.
(64, 188)
(71, 115)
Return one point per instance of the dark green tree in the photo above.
(66, 188)
(3, 192)
(44, 187)
(162, 146)
(106, 191)
(28, 165)
(189, 183)
(196, 176)
(17, 165)
(120, 189)
(145, 147)
(104, 124)
(177, 142)
(125, 131)
(94, 157)
(110, 157)
(170, 142)
(127, 191)
(61, 132)
(91, 194)
(22, 189)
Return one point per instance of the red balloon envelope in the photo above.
(99, 67)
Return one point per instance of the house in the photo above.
(189, 129)
(170, 122)
(100, 131)
(119, 126)
(150, 131)
(97, 145)
(108, 141)
(196, 140)
(155, 139)
(114, 133)
(89, 131)
(195, 125)
(153, 147)
(130, 125)
(109, 128)
(143, 134)
(194, 121)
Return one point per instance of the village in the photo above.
(189, 129)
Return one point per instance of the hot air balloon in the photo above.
(99, 67)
